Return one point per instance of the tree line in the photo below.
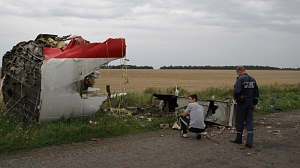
(248, 67)
(125, 66)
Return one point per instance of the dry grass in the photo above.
(191, 80)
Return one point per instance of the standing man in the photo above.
(246, 94)
(192, 118)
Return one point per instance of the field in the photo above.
(191, 80)
(16, 136)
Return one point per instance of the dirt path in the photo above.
(276, 144)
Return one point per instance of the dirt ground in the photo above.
(276, 144)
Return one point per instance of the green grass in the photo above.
(21, 136)
(16, 136)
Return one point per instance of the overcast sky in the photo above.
(167, 32)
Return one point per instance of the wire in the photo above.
(124, 75)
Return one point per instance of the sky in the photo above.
(167, 32)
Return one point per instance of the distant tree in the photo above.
(125, 66)
(248, 67)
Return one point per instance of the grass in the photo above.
(16, 135)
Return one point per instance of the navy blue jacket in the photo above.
(246, 86)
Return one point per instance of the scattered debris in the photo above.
(222, 128)
(272, 107)
(204, 133)
(176, 126)
(93, 122)
(95, 139)
(275, 132)
(297, 125)
(164, 126)
(210, 138)
(272, 131)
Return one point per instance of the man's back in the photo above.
(196, 113)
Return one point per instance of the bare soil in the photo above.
(276, 144)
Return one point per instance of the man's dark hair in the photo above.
(240, 68)
(194, 96)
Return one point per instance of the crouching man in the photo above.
(192, 118)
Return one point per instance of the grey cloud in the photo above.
(201, 31)
(230, 13)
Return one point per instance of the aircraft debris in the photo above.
(95, 139)
(176, 126)
(222, 128)
(48, 78)
(204, 133)
(210, 138)
(220, 112)
(272, 131)
(297, 125)
(164, 126)
(93, 122)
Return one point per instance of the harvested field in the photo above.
(191, 80)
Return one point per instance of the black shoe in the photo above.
(234, 141)
(248, 146)
(198, 135)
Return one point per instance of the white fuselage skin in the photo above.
(60, 88)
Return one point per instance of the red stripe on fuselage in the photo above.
(111, 48)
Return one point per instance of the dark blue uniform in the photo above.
(246, 94)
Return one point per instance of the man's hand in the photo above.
(185, 114)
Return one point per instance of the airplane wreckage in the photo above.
(46, 78)
(221, 112)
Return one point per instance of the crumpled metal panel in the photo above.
(220, 112)
(21, 80)
(223, 115)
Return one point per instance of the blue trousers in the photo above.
(244, 113)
